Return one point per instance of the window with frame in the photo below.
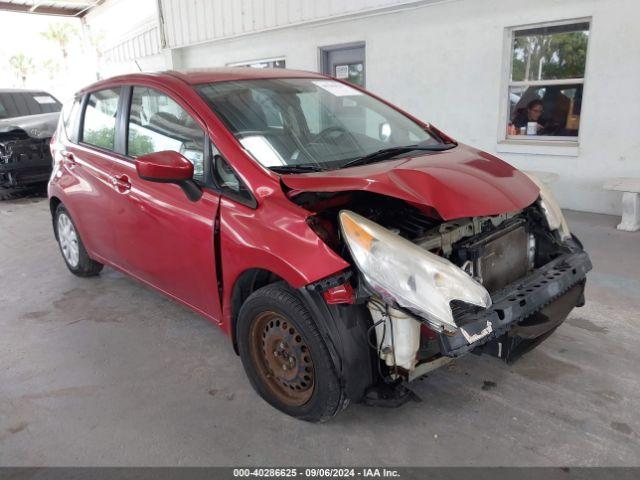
(99, 125)
(157, 123)
(546, 81)
(268, 63)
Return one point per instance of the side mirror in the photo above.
(169, 167)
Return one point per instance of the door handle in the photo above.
(121, 183)
(69, 158)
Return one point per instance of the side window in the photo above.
(99, 126)
(227, 181)
(158, 123)
(546, 81)
(70, 118)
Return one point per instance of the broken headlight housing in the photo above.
(414, 278)
(551, 209)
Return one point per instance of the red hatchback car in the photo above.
(345, 247)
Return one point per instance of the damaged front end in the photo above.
(436, 290)
(25, 156)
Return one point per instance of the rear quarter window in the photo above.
(70, 120)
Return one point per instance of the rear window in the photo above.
(22, 104)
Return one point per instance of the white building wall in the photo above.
(187, 22)
(445, 63)
(129, 36)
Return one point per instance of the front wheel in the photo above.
(73, 252)
(285, 357)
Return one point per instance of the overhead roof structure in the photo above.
(64, 8)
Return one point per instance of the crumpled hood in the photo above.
(457, 183)
(42, 125)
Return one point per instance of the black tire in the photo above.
(85, 266)
(311, 367)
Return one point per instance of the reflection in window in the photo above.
(157, 123)
(547, 77)
(227, 180)
(99, 126)
(317, 123)
(70, 119)
(351, 72)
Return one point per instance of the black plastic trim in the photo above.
(516, 302)
(345, 330)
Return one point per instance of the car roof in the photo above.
(21, 90)
(209, 75)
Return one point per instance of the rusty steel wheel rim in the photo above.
(282, 358)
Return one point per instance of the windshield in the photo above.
(21, 104)
(314, 123)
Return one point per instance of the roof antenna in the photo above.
(137, 65)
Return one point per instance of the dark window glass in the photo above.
(21, 104)
(553, 109)
(157, 123)
(99, 126)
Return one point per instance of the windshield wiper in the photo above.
(295, 168)
(389, 153)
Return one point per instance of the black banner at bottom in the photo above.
(404, 473)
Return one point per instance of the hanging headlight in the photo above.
(416, 279)
(551, 209)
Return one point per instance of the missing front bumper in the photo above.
(523, 313)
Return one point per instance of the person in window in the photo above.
(533, 113)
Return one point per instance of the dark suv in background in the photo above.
(28, 119)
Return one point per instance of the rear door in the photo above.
(87, 158)
(162, 237)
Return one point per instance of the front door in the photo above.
(164, 238)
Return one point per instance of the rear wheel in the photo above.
(73, 252)
(285, 357)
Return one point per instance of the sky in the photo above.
(21, 33)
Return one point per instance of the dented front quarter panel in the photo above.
(276, 238)
(462, 182)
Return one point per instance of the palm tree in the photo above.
(61, 33)
(52, 67)
(22, 66)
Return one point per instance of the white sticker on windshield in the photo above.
(43, 99)
(336, 88)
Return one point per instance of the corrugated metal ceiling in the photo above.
(66, 8)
